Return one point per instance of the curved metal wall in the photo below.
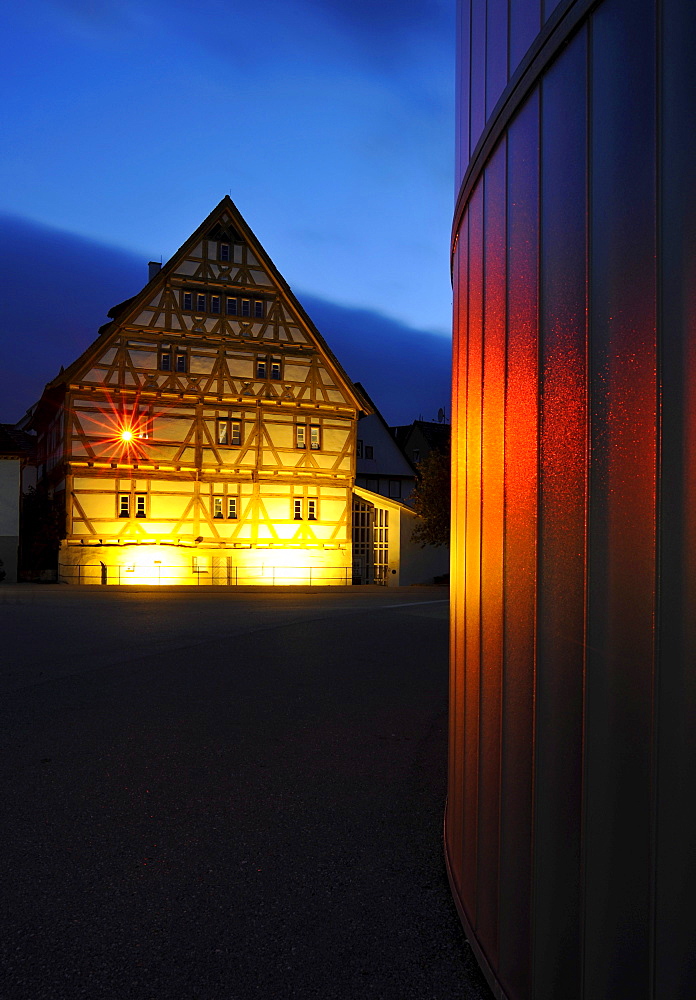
(570, 840)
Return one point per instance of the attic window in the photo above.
(186, 300)
(224, 251)
(246, 307)
(200, 302)
(258, 309)
(231, 307)
(215, 303)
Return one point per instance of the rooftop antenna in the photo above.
(441, 416)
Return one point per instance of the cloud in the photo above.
(405, 371)
(58, 288)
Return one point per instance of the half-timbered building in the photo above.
(208, 434)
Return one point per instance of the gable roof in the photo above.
(226, 219)
(388, 439)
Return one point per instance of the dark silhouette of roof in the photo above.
(13, 441)
(437, 435)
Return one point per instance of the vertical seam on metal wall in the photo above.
(537, 554)
(503, 596)
(588, 457)
(658, 69)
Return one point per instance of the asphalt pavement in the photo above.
(225, 795)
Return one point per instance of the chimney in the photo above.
(153, 267)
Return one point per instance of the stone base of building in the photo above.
(194, 565)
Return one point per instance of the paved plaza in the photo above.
(226, 795)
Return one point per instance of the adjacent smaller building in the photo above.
(383, 521)
(383, 549)
(418, 439)
(381, 465)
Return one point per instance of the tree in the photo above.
(431, 500)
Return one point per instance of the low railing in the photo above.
(223, 576)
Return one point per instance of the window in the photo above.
(297, 506)
(215, 303)
(200, 564)
(140, 505)
(311, 510)
(416, 455)
(394, 488)
(229, 432)
(369, 451)
(181, 365)
(258, 308)
(315, 437)
(224, 251)
(165, 361)
(200, 302)
(231, 307)
(261, 367)
(219, 508)
(246, 307)
(142, 421)
(187, 300)
(124, 505)
(275, 368)
(359, 449)
(300, 435)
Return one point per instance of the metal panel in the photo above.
(621, 548)
(519, 564)
(569, 835)
(675, 766)
(562, 516)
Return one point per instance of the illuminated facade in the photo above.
(208, 434)
(569, 833)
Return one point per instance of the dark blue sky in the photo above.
(329, 122)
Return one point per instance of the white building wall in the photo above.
(9, 516)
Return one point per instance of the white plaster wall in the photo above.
(420, 565)
(9, 496)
